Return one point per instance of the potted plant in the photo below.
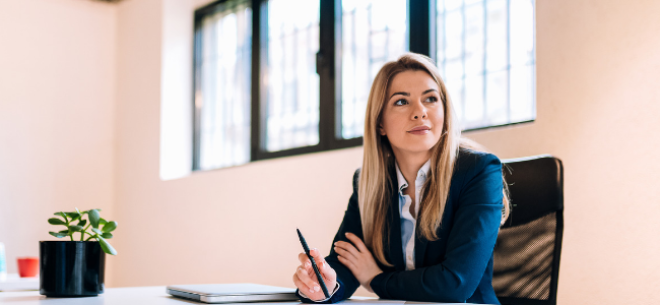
(76, 268)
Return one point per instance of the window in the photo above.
(223, 48)
(265, 75)
(485, 52)
(292, 99)
(284, 77)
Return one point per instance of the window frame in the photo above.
(421, 39)
(327, 66)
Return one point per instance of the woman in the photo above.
(423, 219)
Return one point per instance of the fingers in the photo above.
(323, 266)
(316, 254)
(302, 286)
(302, 257)
(357, 242)
(347, 250)
(304, 282)
(320, 260)
(350, 264)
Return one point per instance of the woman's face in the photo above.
(413, 114)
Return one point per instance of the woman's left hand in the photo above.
(358, 259)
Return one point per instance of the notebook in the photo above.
(233, 293)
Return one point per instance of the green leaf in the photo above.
(82, 223)
(97, 231)
(107, 248)
(73, 215)
(94, 218)
(75, 228)
(58, 234)
(61, 214)
(109, 227)
(107, 235)
(65, 232)
(56, 221)
(102, 221)
(86, 212)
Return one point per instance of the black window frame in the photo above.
(421, 39)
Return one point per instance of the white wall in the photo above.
(57, 99)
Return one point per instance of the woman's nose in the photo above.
(419, 111)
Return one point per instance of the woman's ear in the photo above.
(381, 130)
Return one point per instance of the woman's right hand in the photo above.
(305, 277)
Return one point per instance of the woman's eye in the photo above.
(400, 102)
(432, 99)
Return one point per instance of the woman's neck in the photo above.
(409, 164)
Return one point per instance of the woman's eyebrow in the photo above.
(401, 93)
(430, 90)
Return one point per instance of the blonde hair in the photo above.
(373, 189)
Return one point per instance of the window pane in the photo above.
(474, 101)
(223, 85)
(453, 4)
(454, 34)
(373, 32)
(474, 39)
(292, 111)
(496, 98)
(455, 92)
(454, 69)
(496, 35)
(486, 54)
(522, 93)
(522, 32)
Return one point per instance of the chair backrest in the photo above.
(528, 249)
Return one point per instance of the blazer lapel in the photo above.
(395, 247)
(420, 248)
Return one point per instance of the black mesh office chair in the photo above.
(528, 249)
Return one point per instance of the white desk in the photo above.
(145, 295)
(14, 283)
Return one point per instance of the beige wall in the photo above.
(598, 98)
(57, 99)
(597, 65)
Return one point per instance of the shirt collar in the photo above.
(422, 173)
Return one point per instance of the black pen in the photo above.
(316, 269)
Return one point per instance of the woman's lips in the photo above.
(419, 131)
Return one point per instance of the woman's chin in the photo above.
(417, 148)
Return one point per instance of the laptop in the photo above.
(233, 293)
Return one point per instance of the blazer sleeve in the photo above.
(470, 243)
(353, 224)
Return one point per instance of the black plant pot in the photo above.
(71, 268)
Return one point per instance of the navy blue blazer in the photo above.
(458, 267)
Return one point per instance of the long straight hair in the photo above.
(374, 184)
